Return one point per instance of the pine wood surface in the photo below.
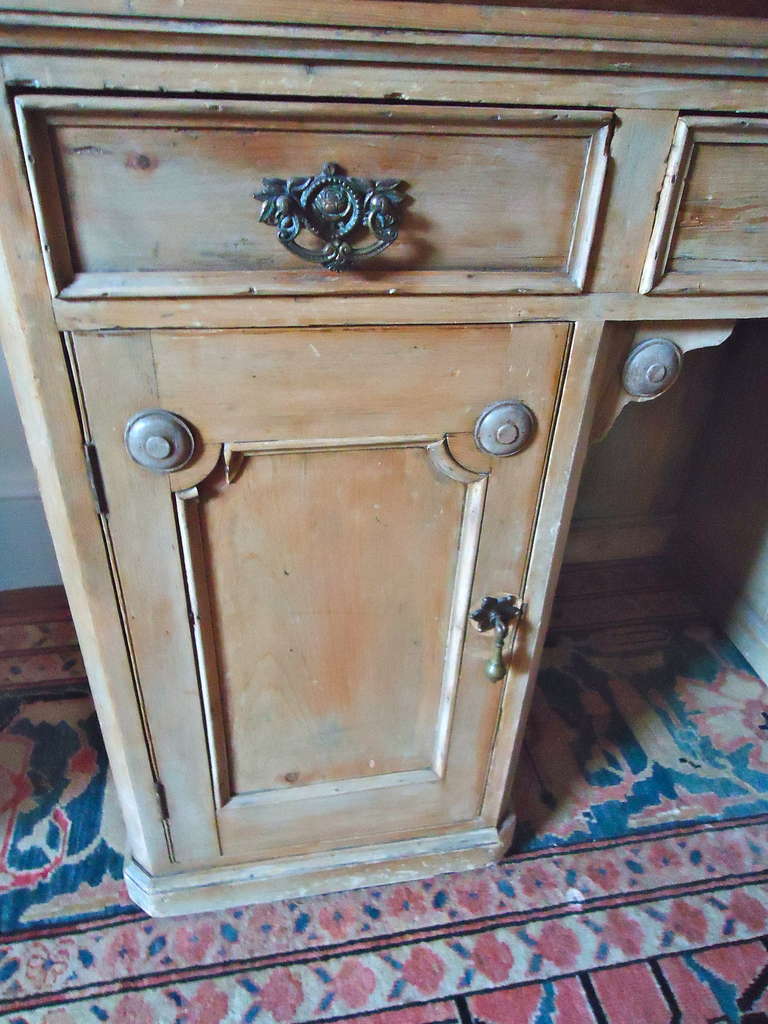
(335, 605)
(499, 199)
(277, 633)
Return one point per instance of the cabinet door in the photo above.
(296, 599)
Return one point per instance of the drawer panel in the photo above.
(711, 230)
(157, 197)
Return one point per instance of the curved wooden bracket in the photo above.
(442, 459)
(622, 338)
(201, 467)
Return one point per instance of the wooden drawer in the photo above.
(711, 229)
(156, 197)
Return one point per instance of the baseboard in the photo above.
(618, 538)
(207, 889)
(34, 602)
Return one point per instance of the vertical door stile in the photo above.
(117, 376)
(475, 485)
(193, 556)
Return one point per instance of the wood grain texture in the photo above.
(345, 698)
(329, 644)
(566, 452)
(635, 478)
(711, 232)
(622, 19)
(612, 397)
(560, 48)
(315, 311)
(403, 805)
(118, 379)
(33, 350)
(278, 632)
(500, 199)
(428, 381)
(323, 80)
(313, 874)
(639, 151)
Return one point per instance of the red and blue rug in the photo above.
(637, 890)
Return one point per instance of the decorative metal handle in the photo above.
(333, 207)
(497, 613)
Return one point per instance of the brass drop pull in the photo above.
(497, 613)
(334, 207)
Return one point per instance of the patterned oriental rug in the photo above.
(636, 892)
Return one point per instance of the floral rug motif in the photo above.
(637, 889)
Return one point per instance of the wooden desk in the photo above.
(276, 469)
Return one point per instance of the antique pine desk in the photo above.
(312, 309)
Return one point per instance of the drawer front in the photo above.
(711, 230)
(310, 573)
(158, 197)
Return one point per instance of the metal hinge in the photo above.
(95, 479)
(162, 799)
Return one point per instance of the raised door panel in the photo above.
(329, 640)
(316, 566)
(497, 199)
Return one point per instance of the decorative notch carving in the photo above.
(335, 208)
(443, 460)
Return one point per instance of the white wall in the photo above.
(26, 552)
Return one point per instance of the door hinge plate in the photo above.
(162, 800)
(95, 478)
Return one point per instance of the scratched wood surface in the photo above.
(336, 570)
(711, 232)
(329, 644)
(153, 192)
(634, 19)
(146, 222)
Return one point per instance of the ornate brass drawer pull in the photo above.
(333, 207)
(497, 613)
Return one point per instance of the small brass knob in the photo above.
(651, 368)
(159, 440)
(504, 428)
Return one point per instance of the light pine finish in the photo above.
(341, 696)
(687, 337)
(636, 477)
(619, 20)
(556, 47)
(276, 635)
(396, 309)
(500, 199)
(418, 382)
(383, 83)
(711, 230)
(569, 445)
(639, 149)
(33, 351)
(325, 532)
(117, 378)
(315, 873)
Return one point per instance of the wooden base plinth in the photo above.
(194, 891)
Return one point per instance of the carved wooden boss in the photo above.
(290, 454)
